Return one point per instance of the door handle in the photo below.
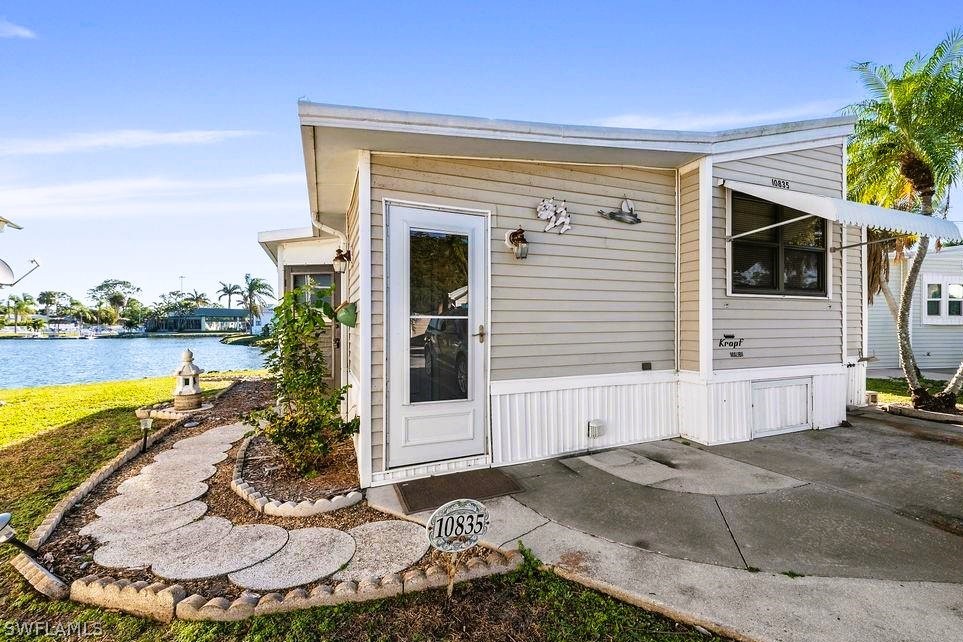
(480, 334)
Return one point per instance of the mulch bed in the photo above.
(266, 469)
(70, 555)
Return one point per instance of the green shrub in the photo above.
(306, 422)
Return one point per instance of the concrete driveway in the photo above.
(852, 533)
(881, 499)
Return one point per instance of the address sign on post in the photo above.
(457, 525)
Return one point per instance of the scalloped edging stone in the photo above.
(164, 602)
(276, 508)
(154, 600)
(39, 578)
(219, 609)
(43, 532)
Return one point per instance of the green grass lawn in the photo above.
(25, 412)
(895, 390)
(64, 433)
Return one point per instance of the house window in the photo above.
(789, 259)
(954, 303)
(934, 299)
(317, 281)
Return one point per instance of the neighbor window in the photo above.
(789, 259)
(944, 299)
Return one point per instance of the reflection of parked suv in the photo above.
(446, 348)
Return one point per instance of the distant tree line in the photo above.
(114, 302)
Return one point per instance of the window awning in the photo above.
(851, 213)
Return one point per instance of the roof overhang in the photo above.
(332, 136)
(270, 240)
(850, 212)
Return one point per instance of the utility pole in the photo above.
(182, 283)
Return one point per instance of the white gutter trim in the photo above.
(362, 118)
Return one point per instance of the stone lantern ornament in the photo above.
(187, 390)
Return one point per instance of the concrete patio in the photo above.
(850, 533)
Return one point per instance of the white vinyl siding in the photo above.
(854, 293)
(779, 331)
(689, 272)
(935, 346)
(598, 299)
(351, 337)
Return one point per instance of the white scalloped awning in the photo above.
(851, 213)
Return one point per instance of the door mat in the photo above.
(430, 493)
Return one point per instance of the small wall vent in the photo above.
(596, 427)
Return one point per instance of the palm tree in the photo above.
(255, 294)
(80, 313)
(49, 299)
(20, 307)
(197, 298)
(117, 301)
(906, 152)
(229, 290)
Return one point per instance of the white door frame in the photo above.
(483, 373)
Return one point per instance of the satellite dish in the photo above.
(6, 274)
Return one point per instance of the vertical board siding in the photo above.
(854, 293)
(882, 326)
(351, 337)
(689, 272)
(535, 425)
(779, 331)
(856, 385)
(830, 396)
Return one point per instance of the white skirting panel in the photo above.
(857, 384)
(536, 419)
(720, 410)
(829, 399)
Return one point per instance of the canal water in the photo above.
(42, 362)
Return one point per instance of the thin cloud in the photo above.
(696, 121)
(154, 196)
(11, 30)
(116, 139)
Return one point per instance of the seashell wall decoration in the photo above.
(556, 214)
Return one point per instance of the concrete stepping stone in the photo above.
(151, 501)
(191, 456)
(382, 548)
(107, 529)
(172, 468)
(202, 444)
(309, 555)
(135, 553)
(230, 433)
(157, 484)
(242, 547)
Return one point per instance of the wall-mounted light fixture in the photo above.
(517, 242)
(341, 260)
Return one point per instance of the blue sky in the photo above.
(156, 140)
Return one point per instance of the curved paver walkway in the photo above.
(384, 547)
(309, 555)
(157, 520)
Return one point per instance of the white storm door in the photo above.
(437, 389)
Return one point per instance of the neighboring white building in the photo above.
(703, 285)
(936, 313)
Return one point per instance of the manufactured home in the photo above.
(526, 290)
(936, 313)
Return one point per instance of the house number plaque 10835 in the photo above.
(457, 526)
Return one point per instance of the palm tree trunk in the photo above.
(890, 300)
(944, 401)
(907, 360)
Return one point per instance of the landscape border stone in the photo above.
(909, 411)
(278, 508)
(31, 570)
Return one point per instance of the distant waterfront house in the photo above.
(936, 313)
(202, 320)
